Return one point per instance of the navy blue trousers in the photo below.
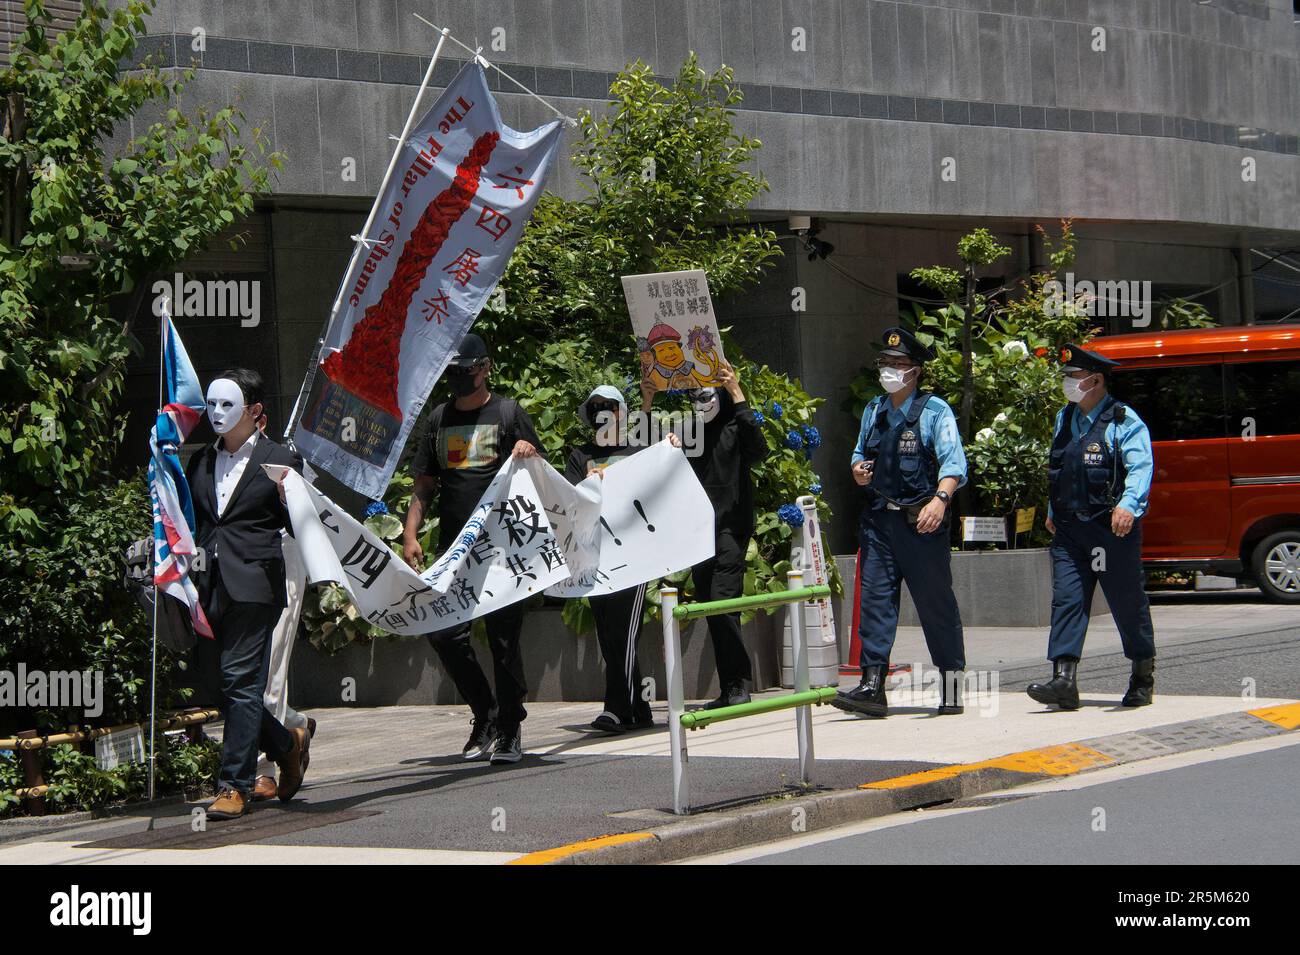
(1084, 554)
(893, 552)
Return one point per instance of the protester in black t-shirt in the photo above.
(465, 445)
(618, 615)
(733, 443)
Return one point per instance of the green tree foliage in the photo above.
(82, 227)
(82, 230)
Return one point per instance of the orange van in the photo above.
(1223, 406)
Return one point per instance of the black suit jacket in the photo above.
(242, 545)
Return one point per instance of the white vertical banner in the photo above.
(445, 227)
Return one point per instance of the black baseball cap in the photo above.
(472, 350)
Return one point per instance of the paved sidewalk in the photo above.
(387, 785)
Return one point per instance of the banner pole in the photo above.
(153, 560)
(360, 240)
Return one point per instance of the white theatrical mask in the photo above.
(225, 404)
(708, 408)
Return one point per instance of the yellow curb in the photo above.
(1051, 761)
(1286, 716)
(560, 852)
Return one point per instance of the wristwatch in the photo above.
(944, 496)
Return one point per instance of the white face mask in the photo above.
(708, 408)
(894, 379)
(1073, 392)
(225, 405)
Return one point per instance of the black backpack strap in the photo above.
(509, 423)
(919, 402)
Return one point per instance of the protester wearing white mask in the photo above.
(733, 443)
(910, 460)
(239, 515)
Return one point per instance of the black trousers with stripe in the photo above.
(618, 627)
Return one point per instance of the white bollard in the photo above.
(676, 700)
(802, 683)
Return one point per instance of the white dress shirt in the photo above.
(230, 468)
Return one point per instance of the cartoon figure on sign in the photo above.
(700, 341)
(671, 369)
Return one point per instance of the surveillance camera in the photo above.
(800, 224)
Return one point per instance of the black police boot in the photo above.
(950, 682)
(1142, 684)
(733, 694)
(868, 697)
(1063, 690)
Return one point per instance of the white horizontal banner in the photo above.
(655, 519)
(530, 530)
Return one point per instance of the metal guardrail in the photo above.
(700, 719)
(796, 595)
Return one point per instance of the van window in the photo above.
(1178, 403)
(1269, 392)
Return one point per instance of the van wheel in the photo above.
(1276, 563)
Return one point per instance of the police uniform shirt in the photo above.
(1134, 446)
(938, 432)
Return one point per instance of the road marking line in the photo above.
(1060, 760)
(1287, 717)
(560, 852)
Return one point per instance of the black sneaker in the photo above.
(607, 722)
(480, 738)
(509, 747)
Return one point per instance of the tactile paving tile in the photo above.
(1203, 733)
(1286, 716)
(1053, 760)
(1242, 726)
(1127, 747)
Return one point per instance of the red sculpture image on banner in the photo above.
(368, 364)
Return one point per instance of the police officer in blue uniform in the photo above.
(910, 460)
(1100, 475)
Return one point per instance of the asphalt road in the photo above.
(1234, 810)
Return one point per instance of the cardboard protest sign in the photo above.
(676, 331)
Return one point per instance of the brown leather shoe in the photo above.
(229, 804)
(293, 766)
(264, 788)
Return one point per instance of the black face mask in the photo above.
(463, 383)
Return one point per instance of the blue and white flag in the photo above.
(446, 224)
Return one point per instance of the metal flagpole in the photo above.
(361, 240)
(153, 564)
(478, 55)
